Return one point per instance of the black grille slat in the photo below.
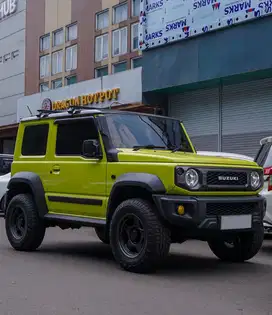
(213, 178)
(230, 208)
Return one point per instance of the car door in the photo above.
(76, 185)
(264, 159)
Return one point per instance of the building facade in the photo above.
(12, 68)
(213, 75)
(69, 41)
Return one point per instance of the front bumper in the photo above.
(205, 213)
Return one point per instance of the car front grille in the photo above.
(225, 178)
(219, 209)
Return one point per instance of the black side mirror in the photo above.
(91, 149)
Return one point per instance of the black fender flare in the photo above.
(35, 185)
(149, 182)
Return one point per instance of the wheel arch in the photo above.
(133, 185)
(27, 182)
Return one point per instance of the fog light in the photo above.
(181, 210)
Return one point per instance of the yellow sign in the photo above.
(88, 99)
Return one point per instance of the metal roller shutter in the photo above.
(246, 116)
(199, 111)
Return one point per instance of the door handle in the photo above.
(55, 169)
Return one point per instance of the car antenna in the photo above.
(29, 111)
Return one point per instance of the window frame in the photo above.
(41, 41)
(48, 68)
(97, 69)
(114, 12)
(99, 14)
(53, 81)
(132, 60)
(132, 8)
(44, 83)
(68, 27)
(52, 60)
(46, 140)
(68, 122)
(71, 48)
(68, 77)
(132, 38)
(120, 41)
(118, 63)
(102, 46)
(60, 30)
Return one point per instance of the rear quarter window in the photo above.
(35, 140)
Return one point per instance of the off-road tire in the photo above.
(35, 227)
(245, 249)
(157, 237)
(102, 235)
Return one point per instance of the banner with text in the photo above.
(165, 21)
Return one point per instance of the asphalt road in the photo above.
(73, 273)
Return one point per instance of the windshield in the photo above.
(142, 131)
(264, 156)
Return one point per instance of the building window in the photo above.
(45, 66)
(119, 39)
(101, 47)
(45, 42)
(136, 62)
(102, 20)
(56, 84)
(134, 36)
(35, 140)
(135, 7)
(101, 72)
(119, 67)
(71, 32)
(58, 37)
(71, 58)
(71, 80)
(120, 13)
(70, 140)
(44, 87)
(57, 62)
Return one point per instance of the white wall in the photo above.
(12, 38)
(129, 82)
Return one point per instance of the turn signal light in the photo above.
(181, 210)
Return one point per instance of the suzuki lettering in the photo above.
(228, 178)
(7, 8)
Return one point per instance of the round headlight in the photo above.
(191, 178)
(255, 180)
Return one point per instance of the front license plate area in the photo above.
(236, 222)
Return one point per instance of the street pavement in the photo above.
(74, 273)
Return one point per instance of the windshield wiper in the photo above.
(148, 146)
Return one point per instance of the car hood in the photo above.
(163, 156)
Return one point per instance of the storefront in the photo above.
(12, 67)
(219, 83)
(121, 91)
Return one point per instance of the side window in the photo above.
(35, 140)
(70, 136)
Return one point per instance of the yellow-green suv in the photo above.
(137, 180)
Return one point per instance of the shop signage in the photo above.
(7, 7)
(165, 21)
(9, 56)
(83, 100)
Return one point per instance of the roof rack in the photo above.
(74, 109)
(46, 112)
